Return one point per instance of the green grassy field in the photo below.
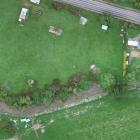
(30, 52)
(6, 129)
(107, 119)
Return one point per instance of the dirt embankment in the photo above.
(85, 96)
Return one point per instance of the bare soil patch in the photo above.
(135, 54)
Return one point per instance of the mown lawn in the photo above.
(108, 119)
(30, 52)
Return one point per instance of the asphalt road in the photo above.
(127, 14)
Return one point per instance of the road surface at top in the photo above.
(127, 14)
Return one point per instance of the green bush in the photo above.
(22, 101)
(131, 77)
(107, 81)
(75, 84)
(47, 97)
(65, 93)
(74, 80)
(56, 86)
(3, 94)
(7, 129)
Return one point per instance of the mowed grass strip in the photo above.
(30, 52)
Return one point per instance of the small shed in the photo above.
(23, 14)
(35, 1)
(25, 120)
(55, 30)
(133, 43)
(83, 20)
(104, 27)
(138, 45)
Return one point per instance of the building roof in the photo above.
(35, 1)
(83, 20)
(25, 120)
(23, 14)
(105, 27)
(133, 43)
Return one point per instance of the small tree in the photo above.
(74, 80)
(23, 101)
(7, 129)
(56, 86)
(56, 5)
(131, 77)
(107, 81)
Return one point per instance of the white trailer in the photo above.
(23, 14)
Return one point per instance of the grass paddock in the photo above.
(105, 119)
(30, 52)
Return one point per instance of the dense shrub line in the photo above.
(46, 95)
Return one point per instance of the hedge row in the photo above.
(46, 95)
